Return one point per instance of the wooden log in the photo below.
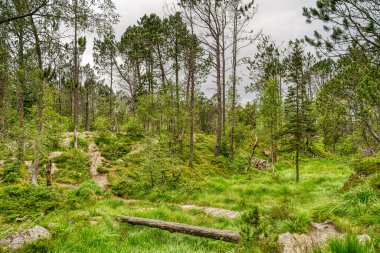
(224, 235)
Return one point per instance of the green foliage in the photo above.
(350, 244)
(255, 234)
(102, 170)
(134, 126)
(82, 143)
(364, 168)
(102, 123)
(367, 166)
(72, 167)
(11, 173)
(114, 147)
(86, 190)
(18, 201)
(40, 246)
(120, 188)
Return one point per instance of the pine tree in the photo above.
(299, 122)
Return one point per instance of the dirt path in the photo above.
(96, 161)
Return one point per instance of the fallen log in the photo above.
(224, 235)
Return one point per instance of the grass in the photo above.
(350, 244)
(84, 219)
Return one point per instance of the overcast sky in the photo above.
(281, 19)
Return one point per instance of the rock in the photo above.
(55, 154)
(267, 153)
(364, 238)
(261, 164)
(318, 237)
(17, 239)
(218, 212)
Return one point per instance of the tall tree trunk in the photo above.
(76, 77)
(234, 80)
(110, 98)
(177, 116)
(298, 130)
(192, 89)
(223, 51)
(20, 94)
(219, 96)
(297, 164)
(3, 84)
(40, 98)
(87, 110)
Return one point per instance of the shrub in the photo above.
(120, 188)
(114, 147)
(87, 190)
(81, 143)
(102, 123)
(11, 173)
(17, 201)
(72, 167)
(367, 166)
(102, 170)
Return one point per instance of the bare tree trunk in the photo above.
(223, 55)
(234, 80)
(219, 98)
(251, 155)
(110, 97)
(87, 113)
(20, 95)
(76, 78)
(177, 116)
(40, 97)
(192, 91)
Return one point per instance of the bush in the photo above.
(72, 167)
(81, 143)
(18, 201)
(367, 166)
(11, 173)
(102, 170)
(114, 147)
(120, 188)
(87, 190)
(134, 126)
(102, 123)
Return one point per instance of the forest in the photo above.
(190, 132)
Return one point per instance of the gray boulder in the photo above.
(17, 239)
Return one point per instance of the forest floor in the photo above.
(82, 217)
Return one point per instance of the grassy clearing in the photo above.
(84, 219)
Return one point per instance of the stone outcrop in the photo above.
(18, 239)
